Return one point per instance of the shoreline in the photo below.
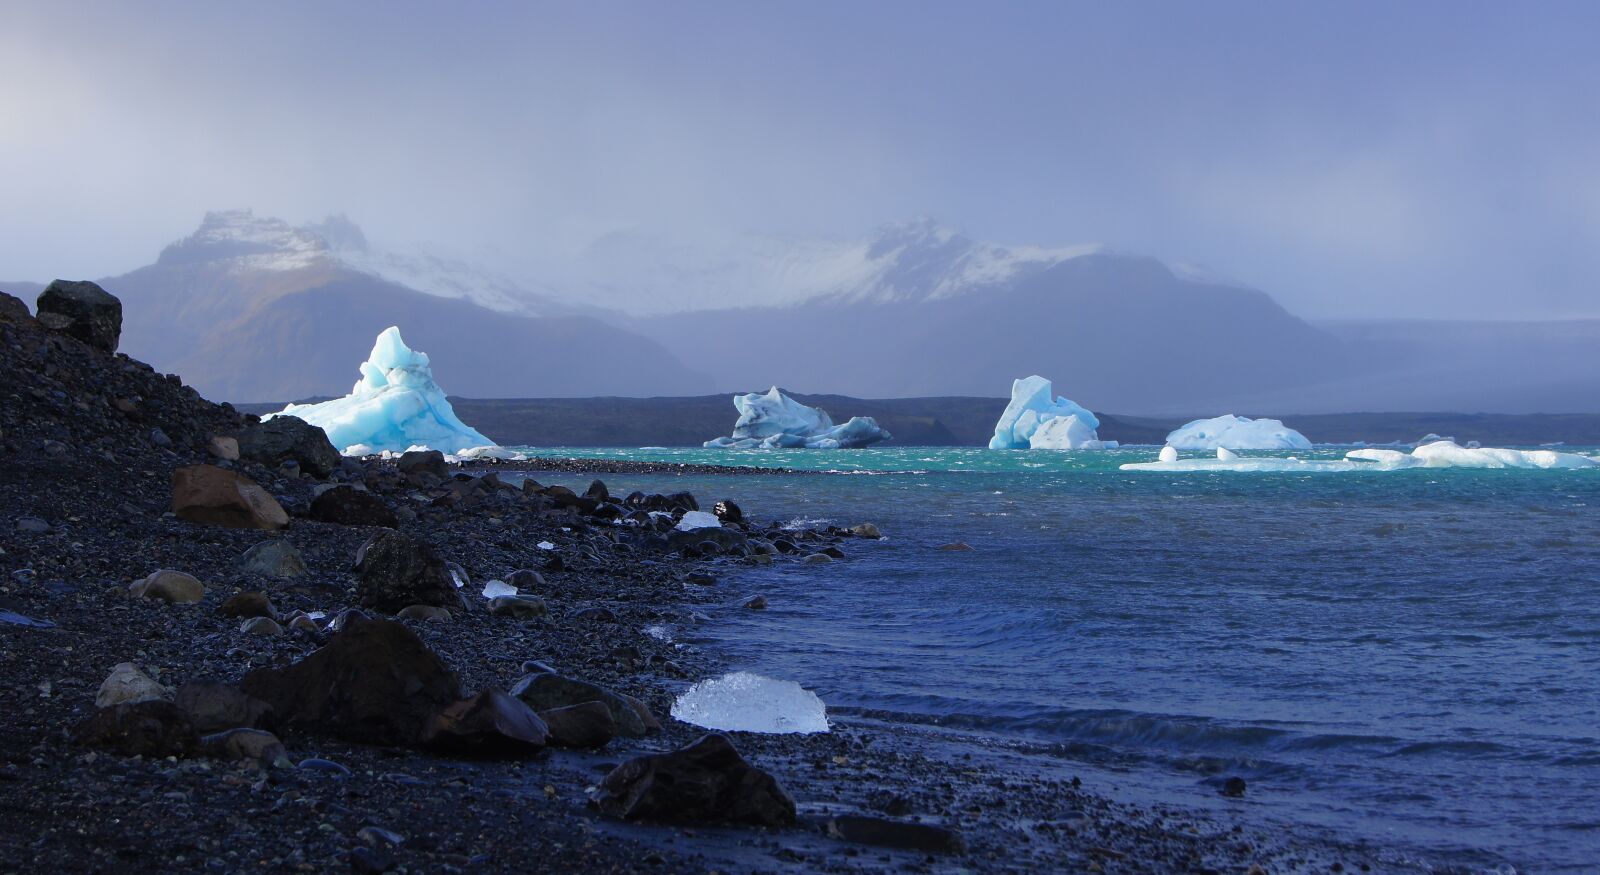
(92, 442)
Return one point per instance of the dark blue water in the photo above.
(1409, 657)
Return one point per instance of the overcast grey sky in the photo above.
(1353, 159)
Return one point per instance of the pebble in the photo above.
(32, 525)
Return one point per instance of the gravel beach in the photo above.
(93, 446)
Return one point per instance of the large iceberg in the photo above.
(746, 702)
(1034, 421)
(774, 421)
(395, 406)
(1237, 433)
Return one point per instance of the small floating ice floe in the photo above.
(746, 702)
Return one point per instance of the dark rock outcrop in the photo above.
(417, 463)
(490, 724)
(397, 571)
(12, 309)
(374, 682)
(289, 439)
(348, 506)
(82, 310)
(705, 782)
(213, 496)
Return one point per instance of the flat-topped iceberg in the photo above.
(745, 702)
(1034, 420)
(1449, 454)
(1237, 433)
(1439, 454)
(395, 406)
(774, 420)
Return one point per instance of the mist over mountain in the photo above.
(252, 308)
(249, 308)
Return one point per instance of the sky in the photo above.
(1353, 159)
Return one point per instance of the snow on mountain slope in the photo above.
(248, 243)
(906, 262)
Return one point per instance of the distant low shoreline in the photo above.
(956, 422)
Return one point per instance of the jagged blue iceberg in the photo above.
(775, 421)
(395, 406)
(1033, 420)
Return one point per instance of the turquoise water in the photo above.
(1409, 657)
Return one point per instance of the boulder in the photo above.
(397, 571)
(152, 728)
(520, 607)
(885, 833)
(246, 744)
(728, 512)
(289, 439)
(127, 684)
(597, 492)
(714, 539)
(587, 725)
(415, 463)
(224, 448)
(213, 706)
(12, 309)
(526, 579)
(705, 782)
(247, 604)
(82, 310)
(546, 691)
(866, 530)
(348, 506)
(373, 682)
(490, 724)
(210, 495)
(172, 587)
(264, 627)
(275, 558)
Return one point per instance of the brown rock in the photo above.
(172, 587)
(707, 781)
(151, 728)
(214, 706)
(895, 834)
(426, 613)
(247, 604)
(374, 682)
(586, 725)
(213, 496)
(520, 607)
(547, 691)
(490, 724)
(225, 448)
(245, 744)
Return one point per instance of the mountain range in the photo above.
(252, 308)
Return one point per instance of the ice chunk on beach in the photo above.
(497, 588)
(745, 702)
(395, 406)
(776, 421)
(1237, 433)
(1033, 420)
(698, 519)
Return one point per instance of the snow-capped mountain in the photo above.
(920, 260)
(246, 243)
(251, 308)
